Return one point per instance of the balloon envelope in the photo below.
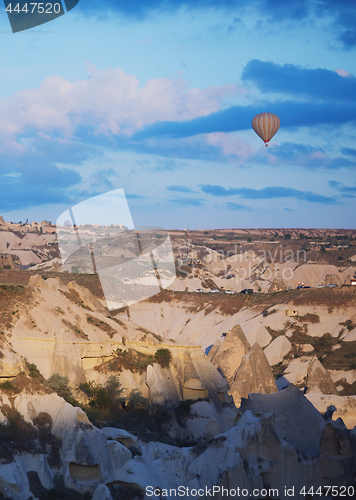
(266, 125)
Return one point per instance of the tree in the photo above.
(60, 384)
(103, 397)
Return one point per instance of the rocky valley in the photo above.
(247, 393)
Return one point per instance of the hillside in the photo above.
(176, 378)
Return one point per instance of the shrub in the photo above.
(9, 387)
(34, 371)
(103, 397)
(163, 357)
(309, 318)
(60, 385)
(266, 312)
(137, 361)
(136, 399)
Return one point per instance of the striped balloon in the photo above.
(266, 125)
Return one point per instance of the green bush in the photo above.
(34, 371)
(60, 385)
(137, 361)
(9, 387)
(163, 357)
(136, 399)
(106, 397)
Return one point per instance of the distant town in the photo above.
(46, 227)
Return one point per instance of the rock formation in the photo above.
(280, 441)
(253, 375)
(226, 356)
(277, 350)
(345, 406)
(295, 418)
(319, 379)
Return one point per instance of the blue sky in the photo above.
(157, 97)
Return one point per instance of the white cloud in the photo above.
(343, 72)
(231, 145)
(110, 101)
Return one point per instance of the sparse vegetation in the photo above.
(102, 325)
(60, 385)
(19, 436)
(163, 357)
(34, 371)
(266, 312)
(309, 318)
(118, 321)
(106, 397)
(137, 361)
(75, 329)
(9, 387)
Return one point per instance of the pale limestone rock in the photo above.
(349, 376)
(268, 456)
(10, 364)
(102, 493)
(254, 452)
(54, 284)
(319, 379)
(296, 371)
(306, 348)
(336, 439)
(163, 389)
(296, 419)
(210, 378)
(13, 482)
(220, 455)
(119, 454)
(56, 267)
(345, 406)
(277, 350)
(228, 355)
(88, 298)
(120, 435)
(254, 375)
(258, 334)
(349, 336)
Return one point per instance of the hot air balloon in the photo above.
(266, 125)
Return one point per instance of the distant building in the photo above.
(290, 312)
(48, 229)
